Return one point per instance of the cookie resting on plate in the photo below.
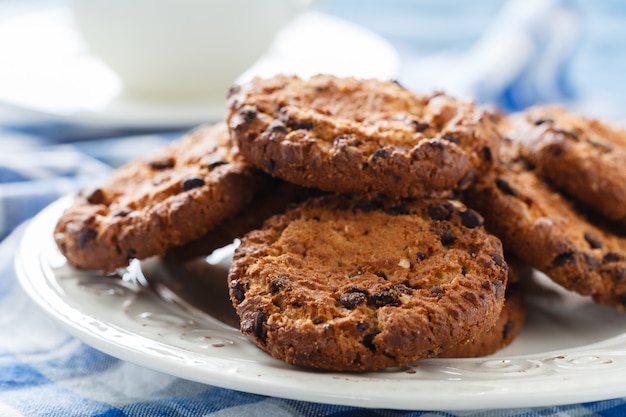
(569, 243)
(351, 284)
(360, 136)
(166, 199)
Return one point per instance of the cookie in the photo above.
(502, 334)
(350, 284)
(549, 231)
(360, 136)
(274, 199)
(171, 197)
(585, 157)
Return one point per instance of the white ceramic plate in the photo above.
(46, 69)
(178, 320)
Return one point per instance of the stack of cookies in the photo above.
(373, 221)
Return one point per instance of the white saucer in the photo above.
(46, 69)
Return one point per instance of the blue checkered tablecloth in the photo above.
(565, 51)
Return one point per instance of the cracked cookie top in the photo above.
(350, 283)
(360, 136)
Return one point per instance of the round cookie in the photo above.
(584, 157)
(349, 284)
(171, 197)
(549, 232)
(502, 334)
(360, 136)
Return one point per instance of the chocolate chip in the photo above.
(237, 291)
(593, 240)
(446, 237)
(402, 288)
(563, 259)
(95, 196)
(384, 297)
(440, 211)
(420, 126)
(213, 161)
(611, 257)
(122, 213)
(85, 236)
(163, 163)
(277, 127)
(248, 114)
(542, 121)
(258, 326)
(505, 187)
(421, 256)
(497, 258)
(451, 138)
(368, 341)
(352, 300)
(507, 329)
(380, 153)
(276, 131)
(437, 292)
(278, 283)
(487, 155)
(192, 182)
(471, 219)
(300, 124)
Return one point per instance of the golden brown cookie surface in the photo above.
(346, 283)
(166, 199)
(550, 232)
(361, 136)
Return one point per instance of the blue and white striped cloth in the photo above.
(46, 372)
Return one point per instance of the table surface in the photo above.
(576, 59)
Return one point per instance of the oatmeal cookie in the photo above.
(169, 198)
(549, 231)
(360, 136)
(351, 284)
(585, 157)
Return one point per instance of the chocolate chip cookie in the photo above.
(360, 136)
(169, 198)
(351, 284)
(549, 231)
(583, 156)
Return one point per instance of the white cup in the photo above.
(180, 49)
